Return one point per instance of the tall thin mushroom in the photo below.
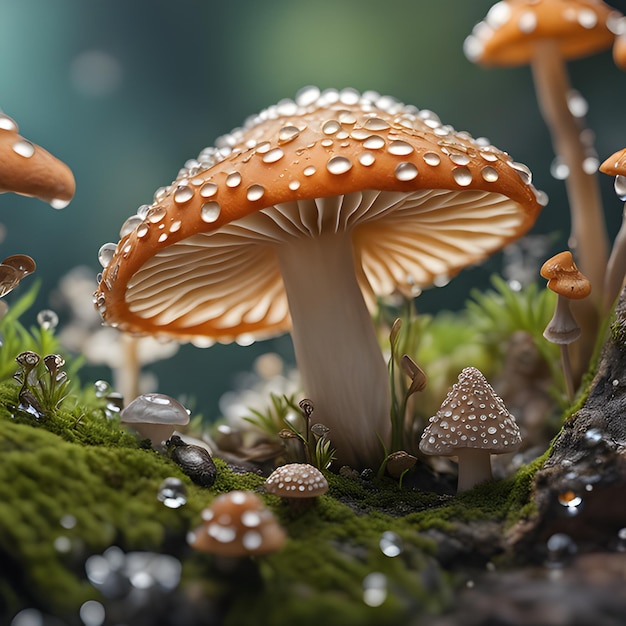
(296, 221)
(546, 34)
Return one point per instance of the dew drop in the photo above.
(431, 158)
(294, 185)
(489, 174)
(210, 211)
(175, 226)
(560, 548)
(374, 589)
(559, 169)
(271, 157)
(376, 124)
(47, 319)
(6, 123)
(522, 170)
(374, 142)
(57, 203)
(24, 148)
(390, 544)
(101, 388)
(620, 187)
(331, 127)
(183, 194)
(233, 180)
(307, 96)
(459, 159)
(309, 171)
(129, 225)
(406, 171)
(587, 19)
(255, 192)
(208, 190)
(590, 165)
(462, 176)
(288, 133)
(400, 148)
(105, 254)
(172, 492)
(367, 159)
(156, 214)
(338, 165)
(577, 104)
(142, 230)
(527, 22)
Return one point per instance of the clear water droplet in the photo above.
(288, 133)
(522, 170)
(6, 123)
(590, 165)
(593, 436)
(172, 492)
(183, 194)
(374, 142)
(92, 613)
(210, 212)
(47, 319)
(310, 170)
(406, 171)
(106, 253)
(255, 192)
(272, 156)
(571, 501)
(367, 159)
(374, 589)
(142, 230)
(156, 214)
(208, 190)
(58, 203)
(294, 185)
(577, 104)
(560, 549)
(400, 148)
(459, 159)
(620, 187)
(376, 124)
(338, 165)
(101, 388)
(431, 158)
(489, 174)
(462, 176)
(331, 127)
(233, 180)
(129, 225)
(391, 544)
(24, 148)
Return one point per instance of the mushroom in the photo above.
(472, 424)
(155, 416)
(30, 170)
(615, 165)
(296, 483)
(566, 280)
(545, 34)
(296, 221)
(237, 524)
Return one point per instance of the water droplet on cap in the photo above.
(106, 253)
(255, 192)
(24, 148)
(210, 211)
(462, 176)
(338, 165)
(406, 171)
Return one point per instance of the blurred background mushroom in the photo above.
(89, 86)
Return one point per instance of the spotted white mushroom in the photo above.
(545, 34)
(29, 170)
(296, 481)
(155, 416)
(472, 424)
(296, 221)
(237, 524)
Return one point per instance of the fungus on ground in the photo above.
(30, 170)
(472, 424)
(545, 34)
(615, 165)
(237, 524)
(155, 416)
(296, 221)
(296, 483)
(566, 280)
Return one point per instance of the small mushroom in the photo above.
(296, 221)
(297, 484)
(30, 170)
(472, 424)
(565, 279)
(615, 165)
(155, 416)
(237, 524)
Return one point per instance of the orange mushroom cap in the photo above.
(615, 165)
(507, 34)
(419, 200)
(564, 278)
(29, 170)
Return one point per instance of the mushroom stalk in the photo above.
(589, 237)
(338, 355)
(474, 468)
(616, 267)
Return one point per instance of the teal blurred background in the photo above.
(125, 91)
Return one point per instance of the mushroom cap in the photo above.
(420, 200)
(471, 416)
(619, 48)
(564, 278)
(154, 408)
(30, 170)
(507, 34)
(237, 524)
(296, 480)
(615, 165)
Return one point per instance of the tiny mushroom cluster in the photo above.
(472, 424)
(296, 221)
(237, 524)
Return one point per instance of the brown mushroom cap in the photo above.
(28, 169)
(471, 416)
(615, 165)
(419, 200)
(296, 480)
(237, 524)
(564, 278)
(507, 34)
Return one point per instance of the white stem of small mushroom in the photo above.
(616, 267)
(126, 375)
(474, 468)
(339, 358)
(589, 237)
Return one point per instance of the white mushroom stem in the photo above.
(589, 237)
(474, 467)
(340, 361)
(616, 267)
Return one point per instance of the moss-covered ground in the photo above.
(80, 464)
